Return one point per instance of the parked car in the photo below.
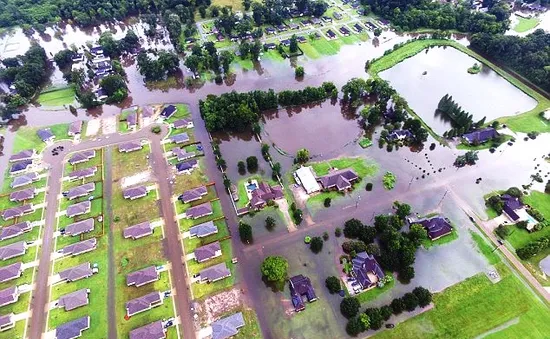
(390, 325)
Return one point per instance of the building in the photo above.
(214, 273)
(344, 31)
(131, 120)
(75, 128)
(436, 227)
(182, 154)
(515, 211)
(480, 136)
(199, 211)
(183, 123)
(80, 227)
(16, 212)
(207, 252)
(293, 26)
(168, 111)
(147, 115)
(270, 45)
(337, 15)
(20, 167)
(130, 146)
(138, 231)
(300, 288)
(9, 296)
(264, 193)
(8, 232)
(228, 326)
(11, 272)
(27, 154)
(154, 330)
(187, 167)
(358, 28)
(45, 135)
(6, 322)
(142, 277)
(81, 157)
(270, 30)
(340, 180)
(83, 173)
(23, 195)
(79, 191)
(13, 250)
(76, 273)
(72, 329)
(179, 138)
(143, 304)
(366, 270)
(306, 177)
(194, 194)
(133, 193)
(79, 247)
(79, 209)
(203, 230)
(24, 180)
(401, 134)
(74, 300)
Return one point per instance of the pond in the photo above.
(425, 78)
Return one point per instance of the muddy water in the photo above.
(485, 94)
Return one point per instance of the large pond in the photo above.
(423, 79)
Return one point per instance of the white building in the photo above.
(306, 177)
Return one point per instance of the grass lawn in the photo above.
(185, 223)
(365, 142)
(237, 5)
(202, 290)
(362, 167)
(191, 244)
(526, 24)
(486, 145)
(127, 164)
(26, 137)
(241, 187)
(475, 306)
(521, 237)
(186, 182)
(374, 293)
(131, 212)
(427, 243)
(485, 248)
(181, 113)
(57, 97)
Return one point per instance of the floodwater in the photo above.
(545, 265)
(425, 78)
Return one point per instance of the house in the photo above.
(45, 135)
(96, 51)
(100, 93)
(306, 177)
(80, 157)
(142, 277)
(306, 22)
(370, 25)
(22, 195)
(131, 120)
(130, 146)
(331, 35)
(72, 329)
(366, 270)
(133, 193)
(27, 154)
(316, 21)
(154, 330)
(270, 30)
(340, 179)
(12, 231)
(13, 250)
(199, 211)
(293, 26)
(24, 180)
(337, 15)
(179, 138)
(182, 154)
(214, 273)
(220, 37)
(183, 123)
(327, 19)
(436, 227)
(79, 209)
(301, 39)
(144, 303)
(228, 326)
(20, 166)
(300, 288)
(203, 230)
(11, 272)
(187, 167)
(270, 46)
(83, 173)
(74, 300)
(399, 134)
(79, 191)
(515, 210)
(147, 114)
(75, 128)
(480, 136)
(138, 231)
(193, 194)
(282, 28)
(207, 252)
(168, 111)
(16, 212)
(358, 28)
(285, 42)
(344, 31)
(76, 272)
(80, 227)
(79, 247)
(9, 295)
(264, 193)
(6, 322)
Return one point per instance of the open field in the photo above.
(525, 25)
(57, 97)
(26, 137)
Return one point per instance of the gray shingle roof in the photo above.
(130, 146)
(45, 134)
(187, 165)
(74, 300)
(215, 272)
(15, 230)
(143, 303)
(20, 166)
(203, 230)
(142, 277)
(9, 295)
(72, 329)
(75, 127)
(207, 252)
(154, 330)
(228, 326)
(138, 231)
(78, 209)
(80, 227)
(81, 157)
(23, 195)
(199, 210)
(13, 250)
(182, 123)
(80, 247)
(24, 179)
(340, 179)
(83, 173)
(179, 138)
(18, 211)
(76, 272)
(135, 192)
(10, 272)
(80, 191)
(193, 194)
(182, 154)
(131, 119)
(6, 320)
(23, 155)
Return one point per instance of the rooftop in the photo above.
(203, 230)
(72, 329)
(80, 191)
(138, 231)
(13, 250)
(80, 247)
(154, 330)
(366, 269)
(199, 210)
(228, 326)
(340, 179)
(74, 300)
(76, 272)
(23, 195)
(135, 192)
(142, 277)
(130, 146)
(78, 208)
(80, 227)
(193, 194)
(214, 273)
(143, 303)
(207, 252)
(8, 232)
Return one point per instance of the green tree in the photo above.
(417, 234)
(252, 164)
(411, 301)
(316, 245)
(423, 295)
(293, 47)
(274, 268)
(245, 232)
(302, 156)
(349, 307)
(365, 321)
(63, 58)
(241, 167)
(375, 318)
(299, 72)
(333, 284)
(402, 210)
(397, 305)
(354, 327)
(270, 223)
(226, 58)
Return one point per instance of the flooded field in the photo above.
(423, 79)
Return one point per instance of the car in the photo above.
(62, 231)
(390, 325)
(91, 197)
(167, 293)
(196, 275)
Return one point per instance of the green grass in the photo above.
(361, 166)
(427, 243)
(389, 180)
(223, 231)
(203, 290)
(181, 113)
(526, 24)
(185, 223)
(127, 164)
(365, 142)
(486, 145)
(521, 237)
(485, 248)
(197, 178)
(26, 137)
(58, 97)
(375, 292)
(476, 306)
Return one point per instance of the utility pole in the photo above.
(444, 195)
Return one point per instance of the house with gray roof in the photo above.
(183, 123)
(182, 154)
(142, 277)
(27, 154)
(340, 180)
(193, 194)
(45, 135)
(20, 166)
(154, 330)
(13, 250)
(130, 146)
(143, 303)
(138, 231)
(79, 191)
(11, 272)
(75, 128)
(79, 247)
(16, 212)
(203, 230)
(207, 252)
(9, 295)
(214, 273)
(24, 179)
(72, 329)
(131, 120)
(76, 272)
(199, 211)
(74, 300)
(79, 227)
(6, 322)
(135, 192)
(366, 270)
(228, 326)
(187, 167)
(83, 173)
(22, 195)
(79, 208)
(168, 111)
(15, 230)
(81, 157)
(179, 138)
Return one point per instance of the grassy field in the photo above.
(362, 167)
(427, 243)
(57, 97)
(26, 137)
(374, 293)
(185, 223)
(197, 178)
(485, 248)
(127, 164)
(526, 24)
(223, 231)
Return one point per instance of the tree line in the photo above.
(461, 121)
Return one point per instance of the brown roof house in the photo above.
(214, 273)
(138, 231)
(265, 193)
(13, 250)
(15, 230)
(193, 194)
(199, 211)
(79, 191)
(81, 157)
(79, 247)
(207, 252)
(154, 330)
(11, 272)
(22, 195)
(72, 329)
(135, 192)
(144, 303)
(9, 295)
(340, 180)
(74, 300)
(142, 277)
(79, 208)
(76, 272)
(16, 212)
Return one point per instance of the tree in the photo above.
(299, 72)
(302, 156)
(365, 321)
(514, 191)
(349, 307)
(423, 295)
(354, 327)
(115, 88)
(63, 58)
(245, 232)
(274, 268)
(375, 317)
(333, 284)
(337, 232)
(417, 234)
(406, 274)
(226, 58)
(293, 47)
(386, 312)
(402, 210)
(397, 305)
(270, 223)
(327, 202)
(246, 4)
(502, 231)
(316, 245)
(241, 167)
(377, 32)
(411, 301)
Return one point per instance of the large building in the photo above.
(306, 177)
(366, 270)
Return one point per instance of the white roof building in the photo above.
(306, 177)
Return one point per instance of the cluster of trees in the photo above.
(297, 214)
(415, 14)
(373, 318)
(469, 158)
(206, 57)
(274, 269)
(245, 232)
(115, 87)
(528, 56)
(275, 11)
(307, 95)
(533, 248)
(156, 66)
(461, 121)
(114, 48)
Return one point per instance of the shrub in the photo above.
(337, 232)
(386, 312)
(298, 216)
(156, 129)
(375, 317)
(307, 239)
(316, 245)
(325, 236)
(411, 301)
(333, 284)
(354, 327)
(389, 180)
(349, 307)
(354, 246)
(270, 223)
(245, 232)
(406, 274)
(327, 202)
(241, 167)
(502, 231)
(369, 186)
(397, 306)
(252, 164)
(299, 71)
(423, 295)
